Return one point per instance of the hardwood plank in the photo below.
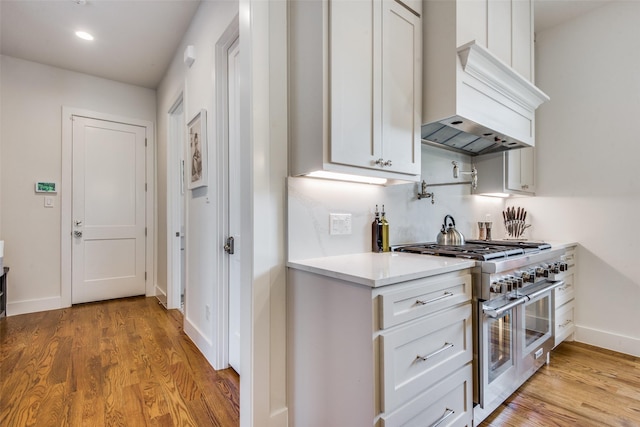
(582, 386)
(115, 363)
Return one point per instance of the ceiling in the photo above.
(135, 40)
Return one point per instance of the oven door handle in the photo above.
(498, 312)
(551, 286)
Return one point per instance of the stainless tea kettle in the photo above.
(449, 235)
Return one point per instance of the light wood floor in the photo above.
(128, 363)
(115, 363)
(582, 386)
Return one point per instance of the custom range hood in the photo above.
(483, 107)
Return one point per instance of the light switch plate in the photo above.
(48, 201)
(339, 224)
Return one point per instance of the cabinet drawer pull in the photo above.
(566, 323)
(446, 295)
(382, 162)
(447, 413)
(446, 346)
(565, 287)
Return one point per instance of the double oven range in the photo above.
(513, 303)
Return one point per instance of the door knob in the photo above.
(77, 233)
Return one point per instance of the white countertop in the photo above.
(560, 245)
(380, 269)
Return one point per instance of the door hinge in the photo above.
(145, 231)
(145, 142)
(145, 276)
(145, 187)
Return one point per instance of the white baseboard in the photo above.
(203, 343)
(161, 295)
(279, 418)
(608, 340)
(34, 305)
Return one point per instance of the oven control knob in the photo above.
(542, 272)
(496, 288)
(556, 268)
(529, 276)
(508, 285)
(519, 282)
(564, 266)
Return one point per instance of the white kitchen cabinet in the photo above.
(564, 318)
(504, 27)
(387, 356)
(355, 88)
(446, 404)
(520, 171)
(478, 91)
(508, 173)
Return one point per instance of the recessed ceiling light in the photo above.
(84, 35)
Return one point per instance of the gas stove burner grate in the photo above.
(478, 250)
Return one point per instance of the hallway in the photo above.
(122, 362)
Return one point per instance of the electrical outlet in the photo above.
(339, 224)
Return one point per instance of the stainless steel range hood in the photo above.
(487, 107)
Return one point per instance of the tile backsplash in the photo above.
(310, 201)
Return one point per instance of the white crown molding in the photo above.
(487, 68)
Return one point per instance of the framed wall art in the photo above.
(197, 160)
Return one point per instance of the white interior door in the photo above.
(234, 205)
(176, 228)
(108, 210)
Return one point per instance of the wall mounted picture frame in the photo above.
(197, 134)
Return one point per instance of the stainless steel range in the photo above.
(513, 310)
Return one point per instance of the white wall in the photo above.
(263, 152)
(411, 220)
(31, 142)
(198, 85)
(588, 147)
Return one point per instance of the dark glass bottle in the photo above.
(376, 233)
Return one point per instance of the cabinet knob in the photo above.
(383, 163)
(525, 187)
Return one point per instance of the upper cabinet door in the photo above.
(401, 87)
(522, 38)
(355, 73)
(354, 138)
(520, 173)
(499, 29)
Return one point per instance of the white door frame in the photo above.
(225, 41)
(174, 170)
(66, 196)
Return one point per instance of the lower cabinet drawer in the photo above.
(564, 325)
(423, 297)
(415, 356)
(565, 293)
(448, 403)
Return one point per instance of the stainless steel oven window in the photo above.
(500, 345)
(537, 320)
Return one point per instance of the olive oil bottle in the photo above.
(376, 233)
(385, 232)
